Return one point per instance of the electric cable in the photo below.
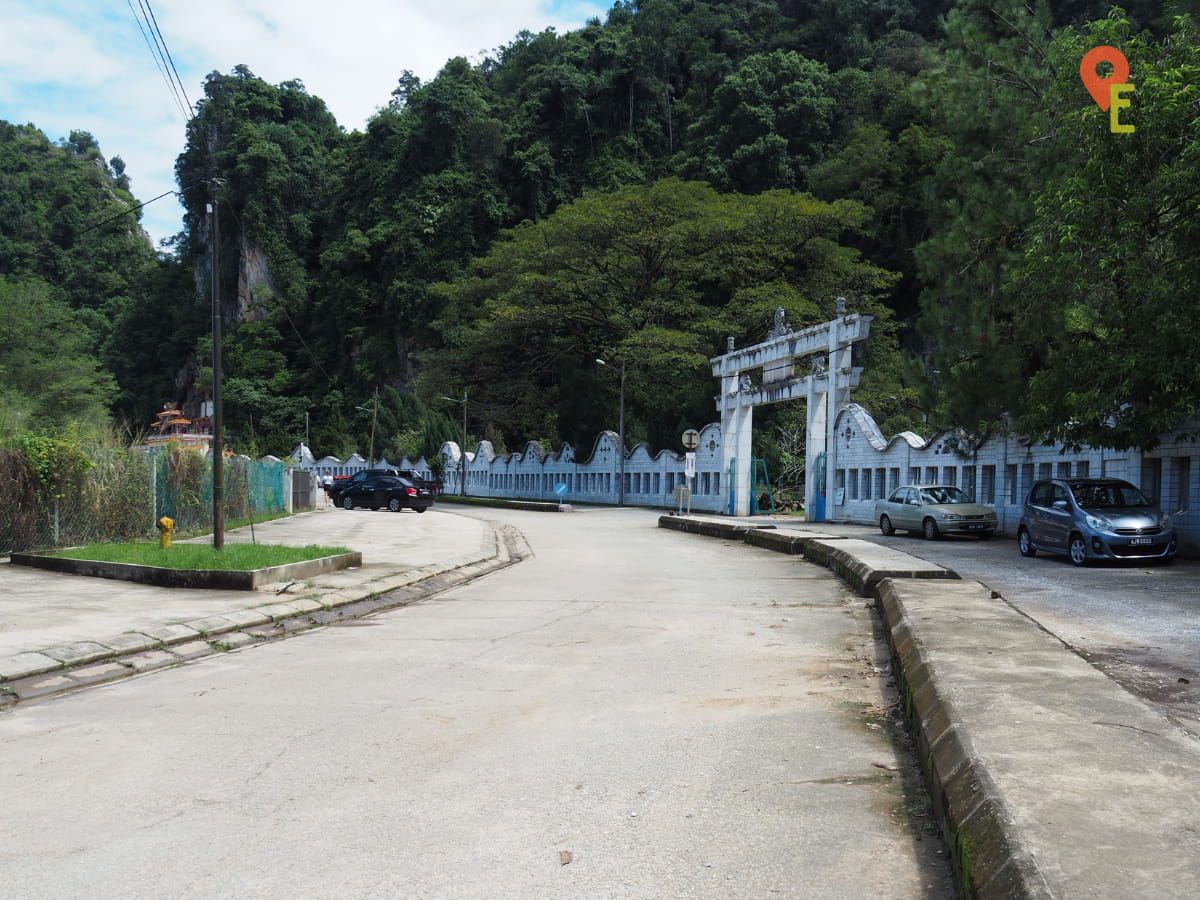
(156, 44)
(157, 64)
(170, 61)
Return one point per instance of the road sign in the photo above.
(560, 489)
(689, 465)
(691, 439)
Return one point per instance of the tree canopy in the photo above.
(652, 279)
(635, 191)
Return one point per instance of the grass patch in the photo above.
(234, 558)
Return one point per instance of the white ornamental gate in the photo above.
(826, 351)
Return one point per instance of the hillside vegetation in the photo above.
(637, 191)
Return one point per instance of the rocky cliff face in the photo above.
(254, 286)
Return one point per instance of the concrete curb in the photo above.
(211, 579)
(33, 675)
(861, 564)
(499, 503)
(864, 565)
(709, 527)
(988, 856)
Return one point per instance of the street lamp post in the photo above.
(374, 411)
(462, 453)
(620, 436)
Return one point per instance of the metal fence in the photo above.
(126, 491)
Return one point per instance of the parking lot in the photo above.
(1140, 623)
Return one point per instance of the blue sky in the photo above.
(69, 65)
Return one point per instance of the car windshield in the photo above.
(1107, 496)
(939, 495)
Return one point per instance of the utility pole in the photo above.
(374, 415)
(218, 442)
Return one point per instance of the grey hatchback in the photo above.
(1094, 518)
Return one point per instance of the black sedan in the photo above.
(392, 491)
(341, 482)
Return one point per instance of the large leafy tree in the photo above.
(1114, 250)
(71, 246)
(989, 98)
(651, 278)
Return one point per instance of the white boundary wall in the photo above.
(866, 467)
(1000, 474)
(650, 478)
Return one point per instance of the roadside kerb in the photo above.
(212, 579)
(501, 503)
(861, 564)
(1049, 779)
(864, 565)
(988, 856)
(30, 675)
(709, 527)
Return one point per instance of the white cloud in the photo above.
(73, 66)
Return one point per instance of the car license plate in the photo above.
(1136, 542)
(979, 527)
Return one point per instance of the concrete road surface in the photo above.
(630, 713)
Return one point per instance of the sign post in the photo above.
(689, 470)
(683, 493)
(690, 440)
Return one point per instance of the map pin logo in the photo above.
(1097, 86)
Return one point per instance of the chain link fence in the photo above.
(123, 494)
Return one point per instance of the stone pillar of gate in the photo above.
(815, 433)
(737, 428)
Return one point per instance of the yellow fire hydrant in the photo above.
(166, 525)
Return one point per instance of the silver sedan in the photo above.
(934, 510)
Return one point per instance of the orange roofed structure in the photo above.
(171, 425)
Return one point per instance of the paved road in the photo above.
(630, 713)
(1138, 623)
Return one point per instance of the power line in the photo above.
(126, 212)
(170, 61)
(46, 244)
(163, 61)
(161, 71)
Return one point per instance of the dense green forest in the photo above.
(636, 191)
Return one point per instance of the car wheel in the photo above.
(930, 530)
(1077, 550)
(1025, 543)
(885, 525)
(347, 503)
(421, 509)
(395, 505)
